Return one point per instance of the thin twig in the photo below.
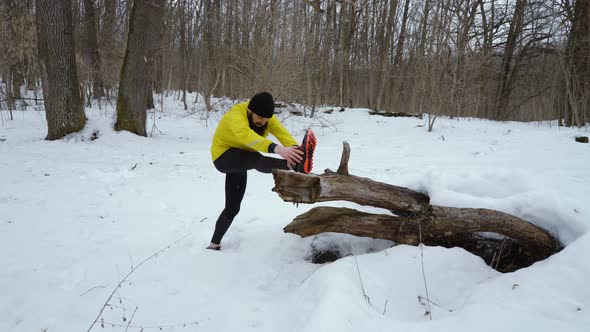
(115, 306)
(235, 68)
(152, 326)
(420, 298)
(154, 127)
(424, 274)
(91, 289)
(310, 246)
(119, 294)
(127, 276)
(130, 319)
(500, 254)
(399, 232)
(427, 300)
(361, 280)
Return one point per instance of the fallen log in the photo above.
(395, 114)
(335, 186)
(503, 241)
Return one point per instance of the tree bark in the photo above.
(108, 43)
(17, 38)
(18, 79)
(505, 242)
(507, 70)
(184, 52)
(385, 37)
(578, 60)
(97, 85)
(159, 64)
(402, 36)
(63, 103)
(330, 186)
(135, 87)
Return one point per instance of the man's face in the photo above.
(257, 120)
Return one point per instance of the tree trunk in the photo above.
(135, 87)
(18, 79)
(505, 242)
(97, 86)
(402, 35)
(10, 93)
(578, 59)
(63, 103)
(399, 82)
(424, 28)
(31, 76)
(108, 42)
(17, 44)
(183, 51)
(507, 71)
(159, 66)
(387, 32)
(340, 56)
(211, 92)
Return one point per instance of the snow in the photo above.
(76, 215)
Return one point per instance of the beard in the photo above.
(259, 130)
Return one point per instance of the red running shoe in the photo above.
(308, 147)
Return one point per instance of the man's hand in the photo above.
(292, 154)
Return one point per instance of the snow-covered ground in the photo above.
(76, 215)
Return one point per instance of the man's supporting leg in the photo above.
(235, 187)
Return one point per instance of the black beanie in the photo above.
(262, 104)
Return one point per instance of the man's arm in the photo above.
(289, 150)
(276, 128)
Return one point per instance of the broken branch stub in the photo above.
(343, 168)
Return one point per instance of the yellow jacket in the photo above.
(234, 131)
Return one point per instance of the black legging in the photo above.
(235, 163)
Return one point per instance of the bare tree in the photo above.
(63, 103)
(18, 41)
(577, 73)
(135, 87)
(108, 45)
(507, 72)
(90, 17)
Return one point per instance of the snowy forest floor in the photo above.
(76, 215)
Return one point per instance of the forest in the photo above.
(503, 60)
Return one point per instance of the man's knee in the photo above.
(232, 211)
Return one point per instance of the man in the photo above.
(238, 140)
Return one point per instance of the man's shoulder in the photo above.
(236, 111)
(274, 121)
(240, 107)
